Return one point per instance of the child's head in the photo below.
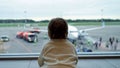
(58, 29)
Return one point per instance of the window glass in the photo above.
(93, 25)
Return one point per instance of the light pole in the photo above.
(103, 23)
(25, 12)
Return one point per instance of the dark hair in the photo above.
(58, 28)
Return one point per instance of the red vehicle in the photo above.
(28, 36)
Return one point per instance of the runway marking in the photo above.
(23, 45)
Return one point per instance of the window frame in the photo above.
(14, 56)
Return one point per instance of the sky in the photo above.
(68, 9)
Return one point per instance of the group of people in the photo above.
(112, 43)
(98, 43)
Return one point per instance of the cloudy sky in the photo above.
(47, 9)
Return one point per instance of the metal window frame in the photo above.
(14, 56)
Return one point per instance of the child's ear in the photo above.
(49, 34)
(66, 34)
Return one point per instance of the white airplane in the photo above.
(74, 33)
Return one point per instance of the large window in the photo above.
(93, 25)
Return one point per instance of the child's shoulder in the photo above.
(48, 44)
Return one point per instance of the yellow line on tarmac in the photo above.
(26, 48)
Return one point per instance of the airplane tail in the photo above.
(103, 23)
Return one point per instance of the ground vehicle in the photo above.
(30, 37)
(27, 36)
(4, 38)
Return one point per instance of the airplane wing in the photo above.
(89, 29)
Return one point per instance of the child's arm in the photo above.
(40, 61)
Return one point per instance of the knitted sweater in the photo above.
(58, 53)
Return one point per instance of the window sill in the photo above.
(80, 55)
